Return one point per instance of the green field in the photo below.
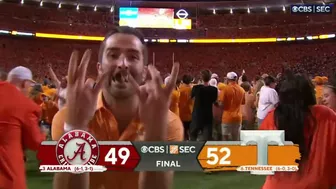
(183, 180)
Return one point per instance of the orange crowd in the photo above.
(87, 22)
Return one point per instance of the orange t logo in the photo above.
(80, 151)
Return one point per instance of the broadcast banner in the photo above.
(259, 152)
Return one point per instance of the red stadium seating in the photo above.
(53, 20)
(315, 57)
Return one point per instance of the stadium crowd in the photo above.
(255, 57)
(217, 108)
(87, 22)
(268, 86)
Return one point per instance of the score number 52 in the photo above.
(218, 156)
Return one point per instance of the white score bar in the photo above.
(72, 168)
(267, 169)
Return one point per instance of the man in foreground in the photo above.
(116, 108)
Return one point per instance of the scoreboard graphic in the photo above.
(258, 152)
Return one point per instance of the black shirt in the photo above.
(205, 97)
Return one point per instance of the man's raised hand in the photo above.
(82, 93)
(155, 101)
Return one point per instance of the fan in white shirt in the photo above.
(268, 98)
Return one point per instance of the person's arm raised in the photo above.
(155, 100)
(53, 76)
(81, 103)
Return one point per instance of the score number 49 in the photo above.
(115, 155)
(218, 156)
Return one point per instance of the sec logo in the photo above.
(77, 147)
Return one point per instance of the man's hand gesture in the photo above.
(154, 102)
(82, 93)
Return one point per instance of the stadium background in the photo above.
(216, 20)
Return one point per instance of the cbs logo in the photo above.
(152, 149)
(302, 9)
(294, 8)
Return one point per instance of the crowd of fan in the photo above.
(52, 20)
(314, 57)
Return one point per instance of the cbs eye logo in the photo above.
(295, 8)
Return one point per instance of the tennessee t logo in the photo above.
(80, 151)
(262, 138)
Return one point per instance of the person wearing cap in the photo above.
(219, 85)
(231, 99)
(205, 96)
(214, 76)
(22, 78)
(268, 98)
(213, 82)
(61, 86)
(19, 127)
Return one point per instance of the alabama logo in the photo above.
(77, 147)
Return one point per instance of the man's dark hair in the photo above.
(124, 30)
(206, 75)
(246, 86)
(187, 79)
(269, 80)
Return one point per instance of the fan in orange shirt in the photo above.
(186, 104)
(35, 94)
(324, 79)
(318, 89)
(49, 108)
(116, 108)
(221, 86)
(248, 109)
(175, 98)
(312, 127)
(231, 99)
